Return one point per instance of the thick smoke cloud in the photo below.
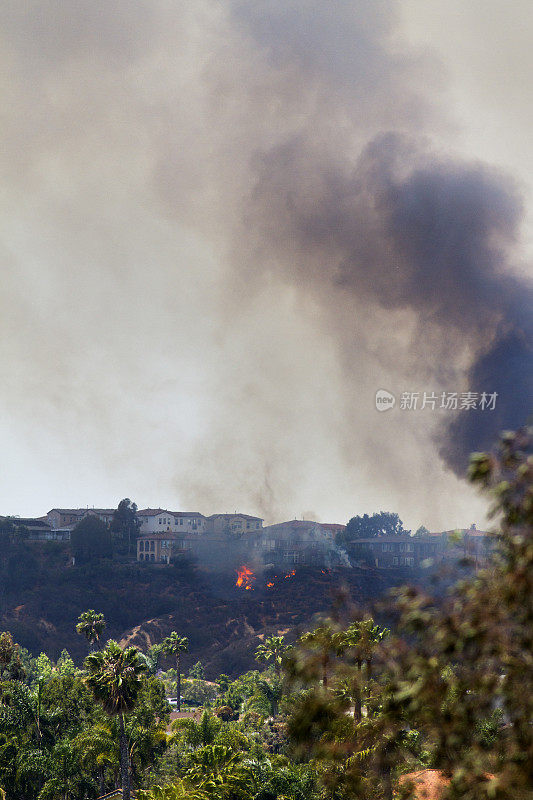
(406, 230)
(228, 224)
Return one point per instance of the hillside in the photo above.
(42, 596)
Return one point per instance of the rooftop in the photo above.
(236, 514)
(195, 514)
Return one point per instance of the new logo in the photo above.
(384, 400)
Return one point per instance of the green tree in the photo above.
(321, 646)
(91, 540)
(65, 665)
(125, 524)
(97, 748)
(272, 649)
(153, 657)
(199, 692)
(421, 531)
(218, 770)
(472, 656)
(114, 676)
(359, 642)
(64, 774)
(175, 645)
(196, 672)
(384, 523)
(91, 624)
(354, 752)
(196, 734)
(271, 691)
(10, 659)
(455, 679)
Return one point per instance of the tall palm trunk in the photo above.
(124, 761)
(386, 782)
(358, 702)
(101, 775)
(178, 682)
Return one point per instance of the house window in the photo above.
(395, 561)
(152, 545)
(384, 548)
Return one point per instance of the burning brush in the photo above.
(245, 578)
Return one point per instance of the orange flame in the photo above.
(269, 585)
(245, 578)
(290, 574)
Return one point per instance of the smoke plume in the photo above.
(229, 224)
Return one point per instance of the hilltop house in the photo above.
(37, 529)
(164, 534)
(159, 548)
(389, 551)
(156, 520)
(298, 542)
(413, 551)
(69, 517)
(233, 523)
(334, 527)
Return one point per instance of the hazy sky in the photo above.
(184, 190)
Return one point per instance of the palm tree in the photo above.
(218, 771)
(114, 676)
(273, 648)
(91, 625)
(323, 642)
(193, 733)
(98, 748)
(272, 691)
(360, 640)
(175, 645)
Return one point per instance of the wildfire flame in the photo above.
(245, 578)
(290, 574)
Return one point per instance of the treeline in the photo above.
(352, 710)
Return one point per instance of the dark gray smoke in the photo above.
(405, 230)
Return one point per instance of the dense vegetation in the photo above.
(351, 710)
